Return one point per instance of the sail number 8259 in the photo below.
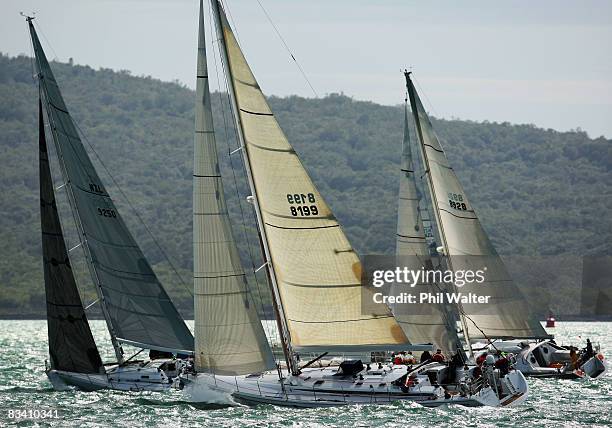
(105, 212)
(302, 205)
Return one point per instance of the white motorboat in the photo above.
(547, 359)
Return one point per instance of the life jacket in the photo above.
(397, 360)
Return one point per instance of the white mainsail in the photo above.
(468, 247)
(229, 338)
(317, 273)
(422, 323)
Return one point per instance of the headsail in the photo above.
(468, 246)
(422, 323)
(229, 338)
(317, 272)
(136, 307)
(71, 344)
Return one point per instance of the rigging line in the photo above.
(226, 7)
(57, 58)
(462, 312)
(116, 184)
(234, 177)
(445, 314)
(138, 216)
(32, 59)
(76, 273)
(288, 49)
(426, 97)
(119, 187)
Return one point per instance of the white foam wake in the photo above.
(203, 389)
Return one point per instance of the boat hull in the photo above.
(323, 388)
(132, 377)
(546, 359)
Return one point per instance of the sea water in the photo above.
(24, 387)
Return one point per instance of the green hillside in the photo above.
(538, 192)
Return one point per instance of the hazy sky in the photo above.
(542, 62)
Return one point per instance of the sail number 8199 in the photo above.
(302, 205)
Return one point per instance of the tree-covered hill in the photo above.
(538, 192)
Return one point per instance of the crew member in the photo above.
(589, 350)
(502, 363)
(481, 358)
(438, 357)
(574, 358)
(409, 358)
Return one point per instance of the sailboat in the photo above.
(136, 308)
(505, 324)
(314, 275)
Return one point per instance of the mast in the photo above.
(281, 320)
(75, 213)
(434, 200)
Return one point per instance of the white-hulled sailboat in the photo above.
(314, 274)
(137, 309)
(505, 323)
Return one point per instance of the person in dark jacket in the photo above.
(425, 356)
(502, 363)
(589, 350)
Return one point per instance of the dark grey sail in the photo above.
(71, 344)
(137, 309)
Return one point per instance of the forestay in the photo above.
(137, 307)
(229, 338)
(317, 271)
(71, 344)
(422, 323)
(469, 247)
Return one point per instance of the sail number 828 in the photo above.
(302, 205)
(456, 201)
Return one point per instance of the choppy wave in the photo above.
(23, 385)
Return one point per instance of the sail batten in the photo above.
(468, 246)
(134, 303)
(229, 337)
(304, 242)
